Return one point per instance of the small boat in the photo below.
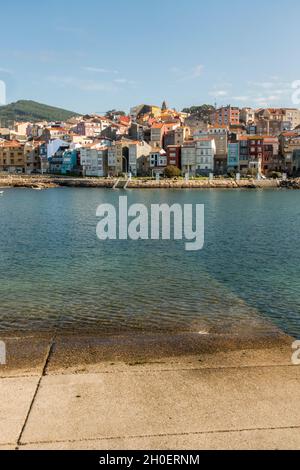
(37, 189)
(1, 193)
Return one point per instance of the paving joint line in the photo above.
(44, 371)
(65, 372)
(144, 436)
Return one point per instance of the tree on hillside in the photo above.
(113, 113)
(202, 112)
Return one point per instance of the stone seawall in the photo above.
(45, 182)
(205, 184)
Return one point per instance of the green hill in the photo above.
(32, 111)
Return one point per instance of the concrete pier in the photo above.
(99, 393)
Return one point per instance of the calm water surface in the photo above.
(55, 273)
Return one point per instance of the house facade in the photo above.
(32, 157)
(138, 153)
(233, 159)
(12, 158)
(157, 161)
(93, 160)
(226, 116)
(71, 162)
(198, 156)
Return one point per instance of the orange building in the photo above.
(226, 116)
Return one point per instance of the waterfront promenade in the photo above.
(47, 181)
(181, 392)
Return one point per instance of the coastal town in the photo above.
(156, 141)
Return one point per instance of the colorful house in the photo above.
(70, 162)
(233, 159)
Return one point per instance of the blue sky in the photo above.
(97, 55)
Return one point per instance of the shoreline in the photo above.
(47, 182)
(72, 396)
(68, 351)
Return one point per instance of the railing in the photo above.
(116, 183)
(121, 183)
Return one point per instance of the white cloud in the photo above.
(275, 87)
(196, 72)
(185, 75)
(271, 92)
(282, 91)
(81, 84)
(264, 85)
(99, 70)
(3, 70)
(124, 81)
(47, 56)
(264, 101)
(218, 93)
(241, 98)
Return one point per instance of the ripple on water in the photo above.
(55, 273)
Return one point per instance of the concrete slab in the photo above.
(129, 404)
(15, 398)
(268, 439)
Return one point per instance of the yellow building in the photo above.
(143, 109)
(12, 158)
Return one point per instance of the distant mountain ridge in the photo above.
(26, 110)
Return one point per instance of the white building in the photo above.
(197, 157)
(138, 151)
(94, 160)
(220, 136)
(54, 145)
(247, 115)
(158, 161)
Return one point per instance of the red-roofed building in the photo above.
(125, 120)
